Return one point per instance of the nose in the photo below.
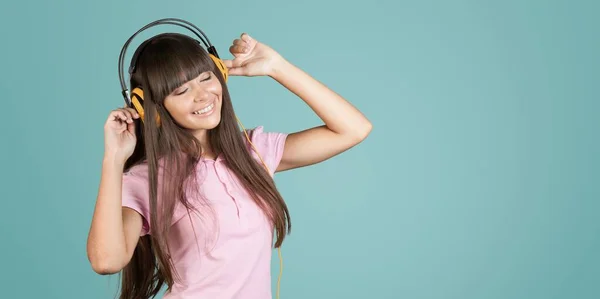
(201, 94)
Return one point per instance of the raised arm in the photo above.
(344, 126)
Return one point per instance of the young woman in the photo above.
(188, 200)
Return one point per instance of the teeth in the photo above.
(205, 110)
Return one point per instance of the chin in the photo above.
(212, 124)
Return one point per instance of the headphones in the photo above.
(136, 98)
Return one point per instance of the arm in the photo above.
(344, 126)
(115, 230)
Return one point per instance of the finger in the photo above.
(129, 115)
(234, 49)
(237, 71)
(118, 115)
(239, 42)
(246, 37)
(131, 128)
(133, 112)
(231, 63)
(123, 115)
(116, 123)
(241, 45)
(121, 126)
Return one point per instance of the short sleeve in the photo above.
(270, 146)
(134, 196)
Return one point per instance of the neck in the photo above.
(207, 151)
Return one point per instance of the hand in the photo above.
(252, 58)
(119, 134)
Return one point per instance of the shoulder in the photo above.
(134, 194)
(135, 179)
(264, 138)
(268, 145)
(140, 169)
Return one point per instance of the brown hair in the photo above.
(166, 63)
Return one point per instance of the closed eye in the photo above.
(207, 78)
(203, 80)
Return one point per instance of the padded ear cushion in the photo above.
(220, 66)
(137, 99)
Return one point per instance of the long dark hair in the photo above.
(166, 63)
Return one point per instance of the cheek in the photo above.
(215, 87)
(176, 110)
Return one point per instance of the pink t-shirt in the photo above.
(226, 253)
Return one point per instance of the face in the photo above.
(196, 105)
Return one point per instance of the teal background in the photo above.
(479, 180)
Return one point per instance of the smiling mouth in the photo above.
(205, 110)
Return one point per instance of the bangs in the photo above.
(170, 61)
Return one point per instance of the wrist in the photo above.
(113, 160)
(279, 68)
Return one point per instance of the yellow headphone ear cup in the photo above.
(220, 66)
(137, 99)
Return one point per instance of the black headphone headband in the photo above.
(167, 21)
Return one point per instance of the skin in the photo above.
(111, 243)
(204, 91)
(344, 126)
